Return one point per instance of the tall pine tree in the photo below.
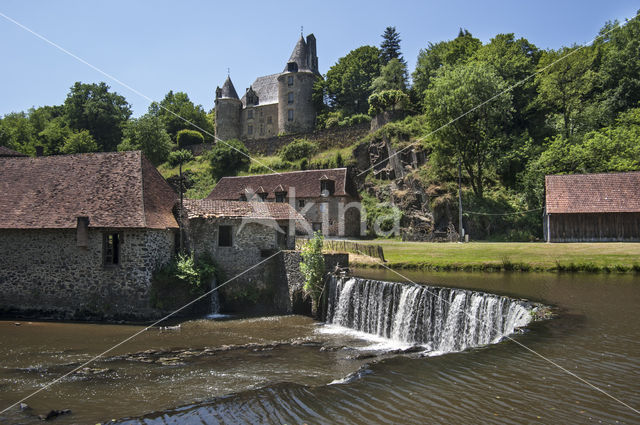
(390, 46)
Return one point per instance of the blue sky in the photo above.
(187, 46)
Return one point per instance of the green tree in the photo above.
(187, 137)
(473, 134)
(94, 108)
(177, 111)
(17, 133)
(79, 142)
(312, 268)
(393, 76)
(441, 54)
(348, 82)
(147, 134)
(387, 100)
(228, 158)
(390, 46)
(54, 135)
(297, 150)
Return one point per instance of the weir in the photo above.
(440, 319)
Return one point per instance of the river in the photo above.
(290, 370)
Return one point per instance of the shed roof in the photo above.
(593, 193)
(115, 190)
(305, 183)
(205, 208)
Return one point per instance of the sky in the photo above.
(157, 46)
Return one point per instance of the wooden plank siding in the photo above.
(593, 227)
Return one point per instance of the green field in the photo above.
(490, 256)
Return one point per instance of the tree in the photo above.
(390, 46)
(348, 82)
(313, 268)
(473, 135)
(393, 76)
(92, 107)
(387, 100)
(187, 137)
(54, 135)
(17, 133)
(227, 158)
(79, 142)
(179, 158)
(178, 112)
(444, 53)
(147, 134)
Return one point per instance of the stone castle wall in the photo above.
(44, 273)
(302, 108)
(264, 122)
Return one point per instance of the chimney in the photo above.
(39, 151)
(82, 232)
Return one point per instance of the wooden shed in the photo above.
(601, 207)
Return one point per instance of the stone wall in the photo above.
(264, 122)
(45, 274)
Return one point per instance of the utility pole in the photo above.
(460, 230)
(181, 213)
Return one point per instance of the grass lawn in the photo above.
(593, 257)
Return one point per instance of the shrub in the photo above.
(188, 137)
(227, 158)
(297, 150)
(387, 100)
(312, 266)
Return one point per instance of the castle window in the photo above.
(290, 80)
(261, 129)
(290, 115)
(249, 129)
(250, 114)
(292, 67)
(269, 119)
(290, 98)
(224, 236)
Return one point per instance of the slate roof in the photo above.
(299, 55)
(205, 208)
(6, 152)
(593, 193)
(115, 190)
(306, 184)
(266, 88)
(228, 90)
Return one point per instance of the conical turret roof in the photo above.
(299, 55)
(228, 91)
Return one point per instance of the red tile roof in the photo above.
(205, 208)
(4, 151)
(115, 190)
(593, 193)
(306, 184)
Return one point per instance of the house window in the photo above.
(280, 196)
(327, 187)
(290, 114)
(300, 203)
(290, 98)
(249, 129)
(111, 248)
(243, 197)
(224, 236)
(263, 195)
(290, 80)
(250, 114)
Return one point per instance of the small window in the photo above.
(292, 67)
(250, 114)
(261, 129)
(316, 227)
(269, 119)
(111, 249)
(290, 98)
(224, 236)
(249, 129)
(243, 197)
(300, 203)
(290, 80)
(290, 114)
(280, 196)
(327, 187)
(263, 195)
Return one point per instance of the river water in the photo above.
(291, 370)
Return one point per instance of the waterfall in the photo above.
(215, 303)
(441, 319)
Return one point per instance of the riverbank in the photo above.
(505, 256)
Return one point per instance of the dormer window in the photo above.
(243, 197)
(327, 187)
(263, 195)
(292, 67)
(281, 196)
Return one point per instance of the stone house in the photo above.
(243, 238)
(602, 207)
(274, 104)
(80, 235)
(327, 199)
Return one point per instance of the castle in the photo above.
(274, 104)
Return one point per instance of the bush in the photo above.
(297, 150)
(312, 267)
(387, 100)
(355, 119)
(227, 158)
(188, 137)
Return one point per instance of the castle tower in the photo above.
(228, 112)
(296, 112)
